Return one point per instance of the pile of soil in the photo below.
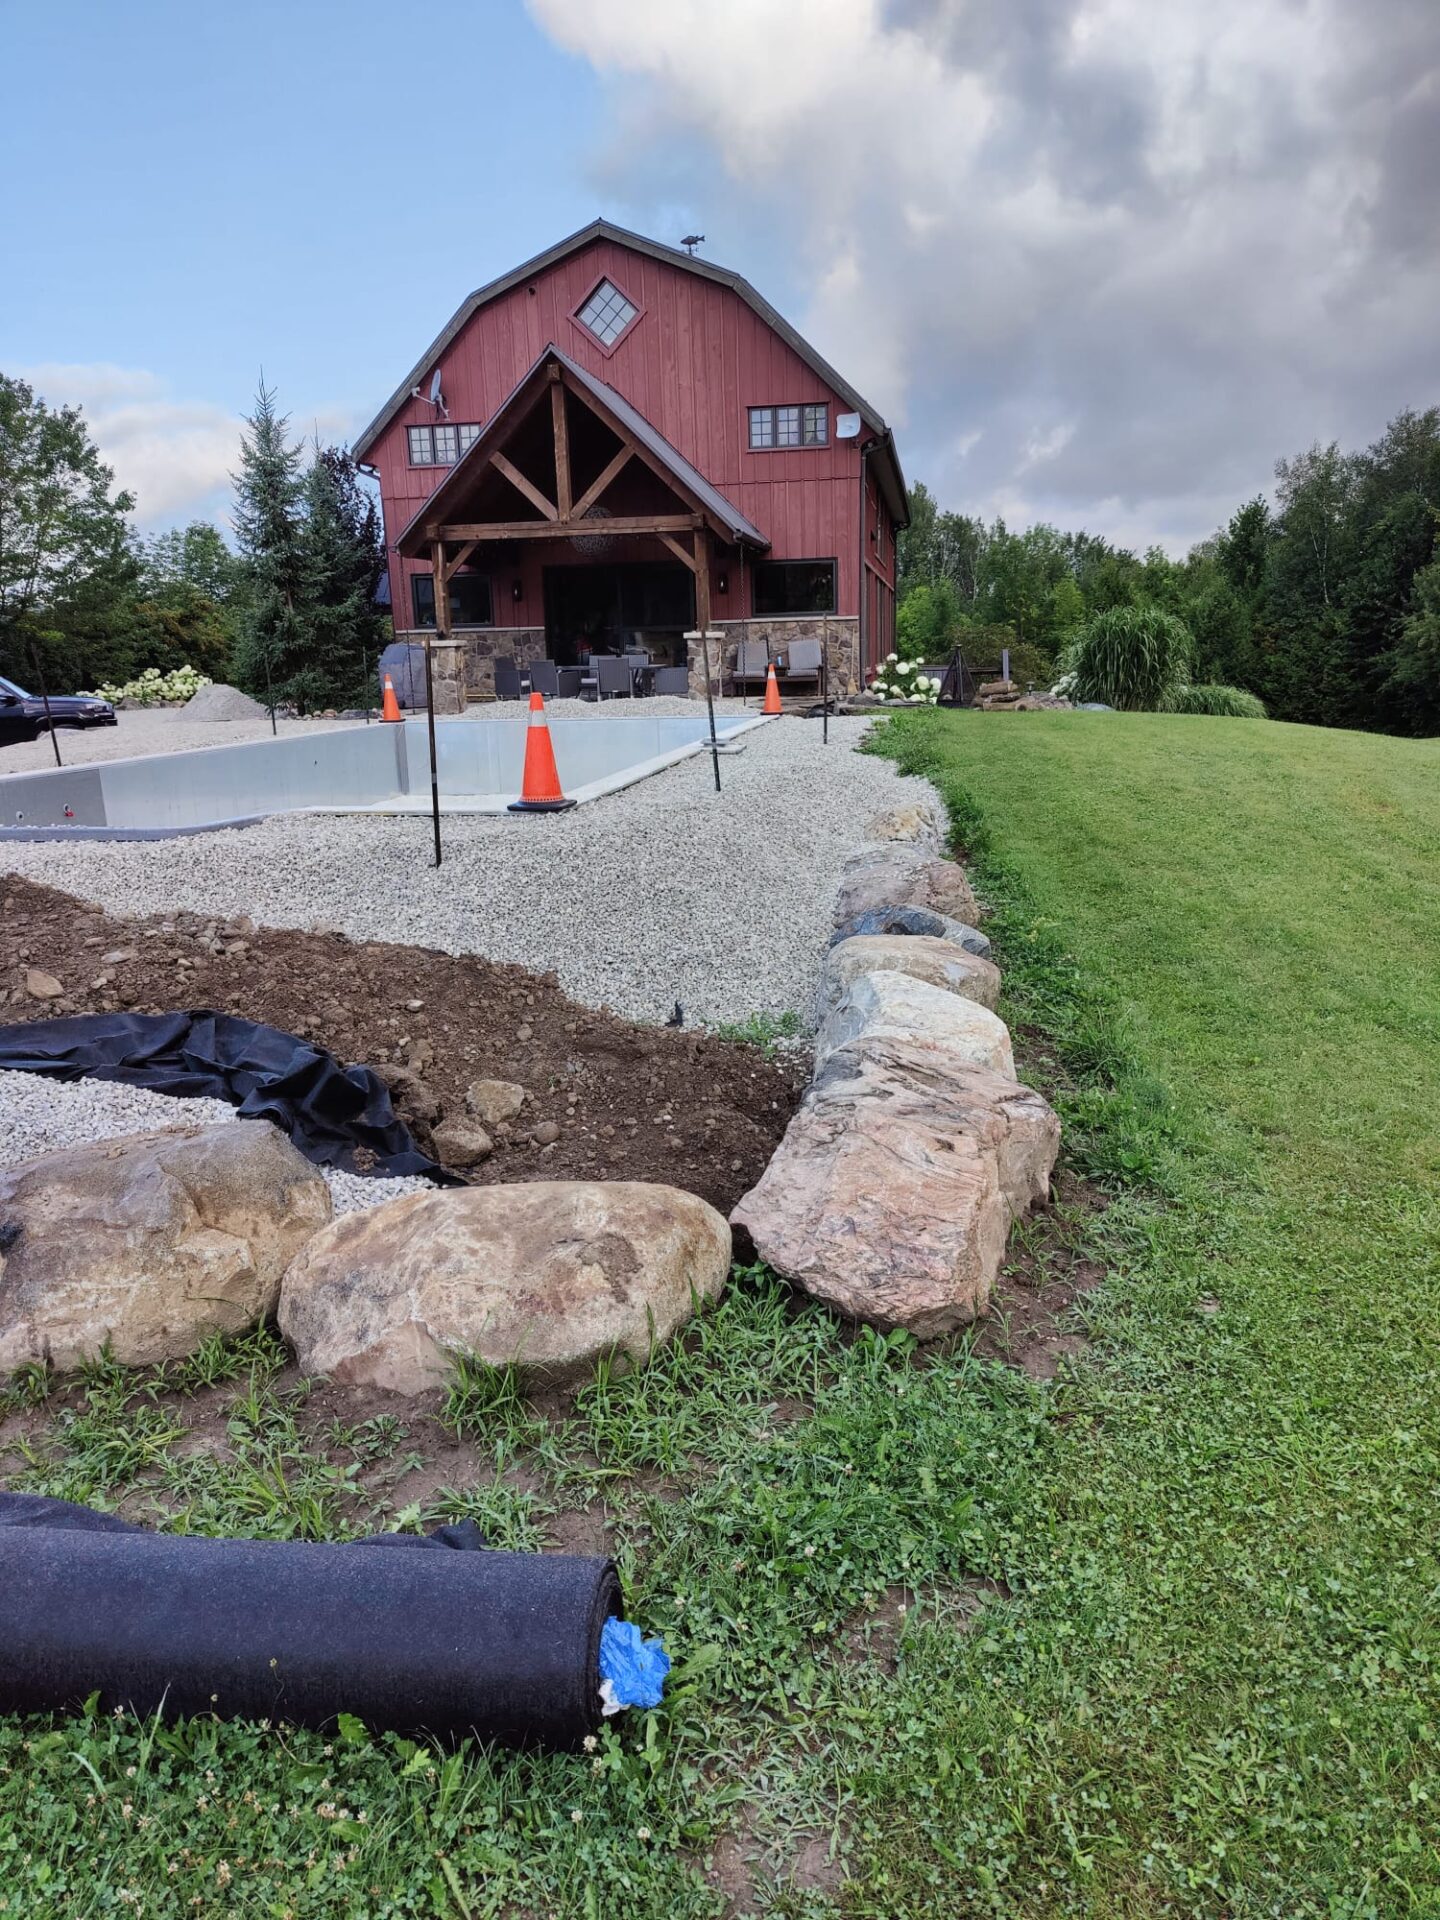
(607, 1100)
(219, 702)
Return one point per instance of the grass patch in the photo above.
(1170, 1631)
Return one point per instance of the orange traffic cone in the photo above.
(540, 788)
(772, 692)
(391, 709)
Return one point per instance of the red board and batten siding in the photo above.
(693, 362)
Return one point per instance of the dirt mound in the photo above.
(606, 1100)
(219, 702)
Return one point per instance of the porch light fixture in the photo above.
(517, 589)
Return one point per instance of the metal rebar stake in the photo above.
(45, 696)
(710, 703)
(434, 767)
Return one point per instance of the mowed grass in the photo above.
(1159, 1636)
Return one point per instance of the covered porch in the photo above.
(569, 506)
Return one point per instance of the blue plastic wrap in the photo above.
(632, 1669)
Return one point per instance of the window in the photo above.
(607, 313)
(799, 426)
(469, 599)
(795, 586)
(440, 446)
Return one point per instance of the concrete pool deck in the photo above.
(352, 768)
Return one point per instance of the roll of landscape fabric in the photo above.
(502, 1645)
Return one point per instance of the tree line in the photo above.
(1325, 605)
(289, 613)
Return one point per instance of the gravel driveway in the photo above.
(662, 892)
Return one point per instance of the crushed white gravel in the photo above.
(39, 1115)
(661, 893)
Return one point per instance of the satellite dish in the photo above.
(847, 426)
(437, 398)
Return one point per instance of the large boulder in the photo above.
(549, 1276)
(916, 822)
(897, 1006)
(934, 961)
(901, 875)
(150, 1243)
(913, 920)
(892, 1193)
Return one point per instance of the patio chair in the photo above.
(672, 680)
(752, 663)
(614, 678)
(510, 683)
(545, 678)
(801, 662)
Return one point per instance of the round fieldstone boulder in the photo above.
(903, 875)
(896, 1006)
(916, 822)
(934, 961)
(547, 1276)
(150, 1243)
(913, 920)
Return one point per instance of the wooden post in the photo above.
(562, 446)
(442, 631)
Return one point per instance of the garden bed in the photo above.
(685, 1108)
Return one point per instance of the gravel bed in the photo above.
(145, 730)
(661, 893)
(39, 1115)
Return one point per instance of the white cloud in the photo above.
(174, 455)
(1201, 234)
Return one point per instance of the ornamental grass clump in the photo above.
(1228, 703)
(897, 679)
(1134, 658)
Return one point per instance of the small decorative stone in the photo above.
(457, 1145)
(493, 1102)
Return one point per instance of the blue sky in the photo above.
(1099, 262)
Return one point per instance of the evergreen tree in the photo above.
(344, 556)
(269, 530)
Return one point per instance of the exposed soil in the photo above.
(625, 1102)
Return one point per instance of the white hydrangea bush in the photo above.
(152, 687)
(897, 679)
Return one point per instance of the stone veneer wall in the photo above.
(777, 634)
(464, 665)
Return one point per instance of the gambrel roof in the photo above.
(886, 460)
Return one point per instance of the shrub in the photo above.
(1231, 703)
(1135, 658)
(153, 686)
(897, 679)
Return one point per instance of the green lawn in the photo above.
(1171, 1642)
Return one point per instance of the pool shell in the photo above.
(360, 769)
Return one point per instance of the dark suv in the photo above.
(22, 714)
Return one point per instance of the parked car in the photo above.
(22, 714)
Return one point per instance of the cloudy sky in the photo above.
(1099, 261)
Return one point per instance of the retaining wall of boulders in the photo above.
(890, 1196)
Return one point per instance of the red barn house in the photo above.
(617, 443)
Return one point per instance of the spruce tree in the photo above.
(270, 534)
(344, 557)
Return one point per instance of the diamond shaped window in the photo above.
(607, 313)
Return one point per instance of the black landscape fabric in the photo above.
(504, 1645)
(337, 1116)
